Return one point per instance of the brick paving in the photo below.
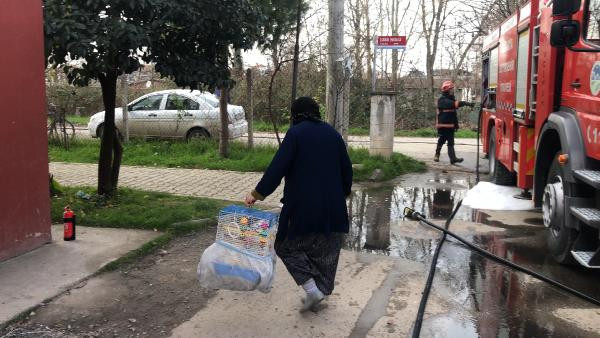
(217, 184)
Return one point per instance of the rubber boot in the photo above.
(438, 150)
(452, 155)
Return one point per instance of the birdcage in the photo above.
(249, 230)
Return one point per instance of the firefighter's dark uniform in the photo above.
(447, 124)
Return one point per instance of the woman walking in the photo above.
(318, 177)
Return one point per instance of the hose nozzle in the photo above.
(412, 214)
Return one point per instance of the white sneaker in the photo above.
(312, 300)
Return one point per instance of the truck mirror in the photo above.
(565, 7)
(564, 33)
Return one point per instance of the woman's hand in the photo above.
(250, 200)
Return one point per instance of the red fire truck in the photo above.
(541, 120)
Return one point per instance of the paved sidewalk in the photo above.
(29, 279)
(218, 184)
(420, 148)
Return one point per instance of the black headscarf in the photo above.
(305, 109)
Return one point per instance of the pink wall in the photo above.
(24, 191)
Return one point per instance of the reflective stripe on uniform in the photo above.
(445, 125)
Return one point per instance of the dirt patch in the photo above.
(147, 298)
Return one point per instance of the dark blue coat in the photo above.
(318, 178)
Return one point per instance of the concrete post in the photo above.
(383, 118)
(378, 216)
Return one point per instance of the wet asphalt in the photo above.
(486, 298)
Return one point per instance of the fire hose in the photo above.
(412, 214)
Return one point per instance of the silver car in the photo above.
(175, 113)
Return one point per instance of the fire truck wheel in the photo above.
(560, 238)
(498, 172)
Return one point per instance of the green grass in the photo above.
(398, 165)
(133, 209)
(83, 120)
(172, 154)
(205, 155)
(177, 229)
(267, 127)
(364, 131)
(79, 120)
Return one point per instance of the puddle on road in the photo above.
(486, 299)
(377, 214)
(490, 300)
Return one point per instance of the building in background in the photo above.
(25, 197)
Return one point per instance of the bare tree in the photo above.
(502, 10)
(470, 27)
(433, 20)
(368, 37)
(356, 17)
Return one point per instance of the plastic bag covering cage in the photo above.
(242, 257)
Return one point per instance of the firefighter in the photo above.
(447, 121)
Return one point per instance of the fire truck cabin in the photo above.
(541, 118)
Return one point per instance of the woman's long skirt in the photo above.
(312, 256)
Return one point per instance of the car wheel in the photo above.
(498, 172)
(197, 134)
(559, 237)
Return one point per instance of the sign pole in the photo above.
(385, 42)
(383, 103)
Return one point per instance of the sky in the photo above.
(415, 54)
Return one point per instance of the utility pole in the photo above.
(335, 68)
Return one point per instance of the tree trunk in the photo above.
(368, 41)
(249, 108)
(238, 63)
(296, 55)
(335, 69)
(116, 166)
(275, 55)
(358, 51)
(395, 24)
(431, 32)
(224, 140)
(124, 93)
(270, 103)
(110, 147)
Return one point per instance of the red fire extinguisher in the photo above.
(69, 220)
